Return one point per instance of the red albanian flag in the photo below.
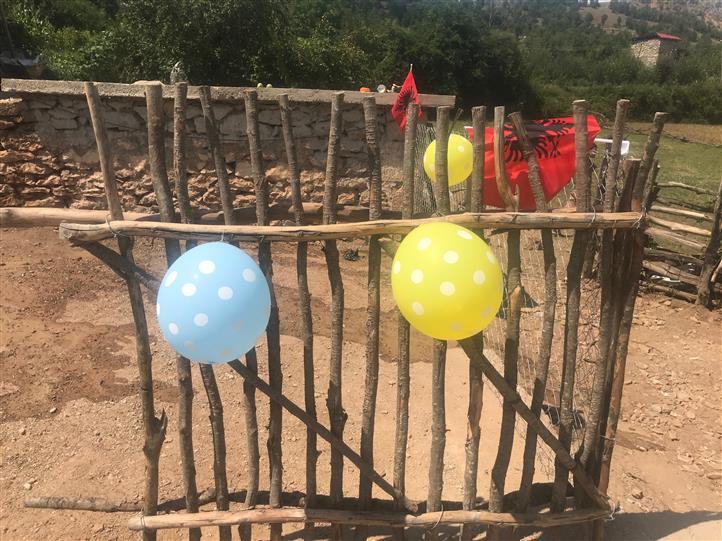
(407, 94)
(553, 142)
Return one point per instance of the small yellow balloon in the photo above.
(460, 159)
(446, 281)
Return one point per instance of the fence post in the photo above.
(705, 289)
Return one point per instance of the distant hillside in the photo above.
(690, 19)
(533, 55)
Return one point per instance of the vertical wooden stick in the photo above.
(441, 186)
(550, 301)
(511, 345)
(304, 299)
(705, 289)
(403, 378)
(438, 369)
(337, 415)
(275, 375)
(478, 121)
(589, 456)
(610, 181)
(183, 365)
(626, 284)
(180, 160)
(204, 93)
(571, 323)
(374, 300)
(511, 201)
(207, 373)
(476, 380)
(154, 427)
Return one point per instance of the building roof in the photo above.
(657, 35)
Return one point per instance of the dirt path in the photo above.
(70, 424)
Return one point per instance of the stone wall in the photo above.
(48, 155)
(647, 51)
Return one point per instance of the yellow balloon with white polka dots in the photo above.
(460, 159)
(446, 281)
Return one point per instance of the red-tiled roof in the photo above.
(660, 35)
(656, 35)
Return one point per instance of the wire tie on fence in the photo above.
(441, 515)
(613, 512)
(107, 222)
(594, 216)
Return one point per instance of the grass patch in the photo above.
(692, 163)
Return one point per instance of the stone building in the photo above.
(651, 47)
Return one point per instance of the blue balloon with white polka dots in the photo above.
(213, 303)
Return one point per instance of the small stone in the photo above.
(27, 486)
(637, 493)
(22, 430)
(98, 528)
(714, 476)
(673, 436)
(53, 410)
(690, 415)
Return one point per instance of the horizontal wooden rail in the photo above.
(682, 212)
(219, 93)
(679, 227)
(52, 217)
(357, 517)
(490, 220)
(684, 186)
(665, 234)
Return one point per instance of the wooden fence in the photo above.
(685, 243)
(621, 223)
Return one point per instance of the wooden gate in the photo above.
(622, 243)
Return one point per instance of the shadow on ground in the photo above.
(692, 525)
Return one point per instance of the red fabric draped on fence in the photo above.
(553, 141)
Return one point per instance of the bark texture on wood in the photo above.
(511, 201)
(337, 415)
(161, 187)
(273, 335)
(304, 299)
(219, 443)
(478, 122)
(154, 427)
(705, 291)
(589, 455)
(626, 283)
(610, 179)
(476, 380)
(438, 368)
(571, 322)
(511, 355)
(374, 303)
(403, 376)
(180, 159)
(79, 232)
(219, 161)
(367, 518)
(550, 302)
(441, 185)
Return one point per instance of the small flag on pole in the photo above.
(407, 94)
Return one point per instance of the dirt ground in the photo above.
(70, 415)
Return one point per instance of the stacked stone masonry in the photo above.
(48, 156)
